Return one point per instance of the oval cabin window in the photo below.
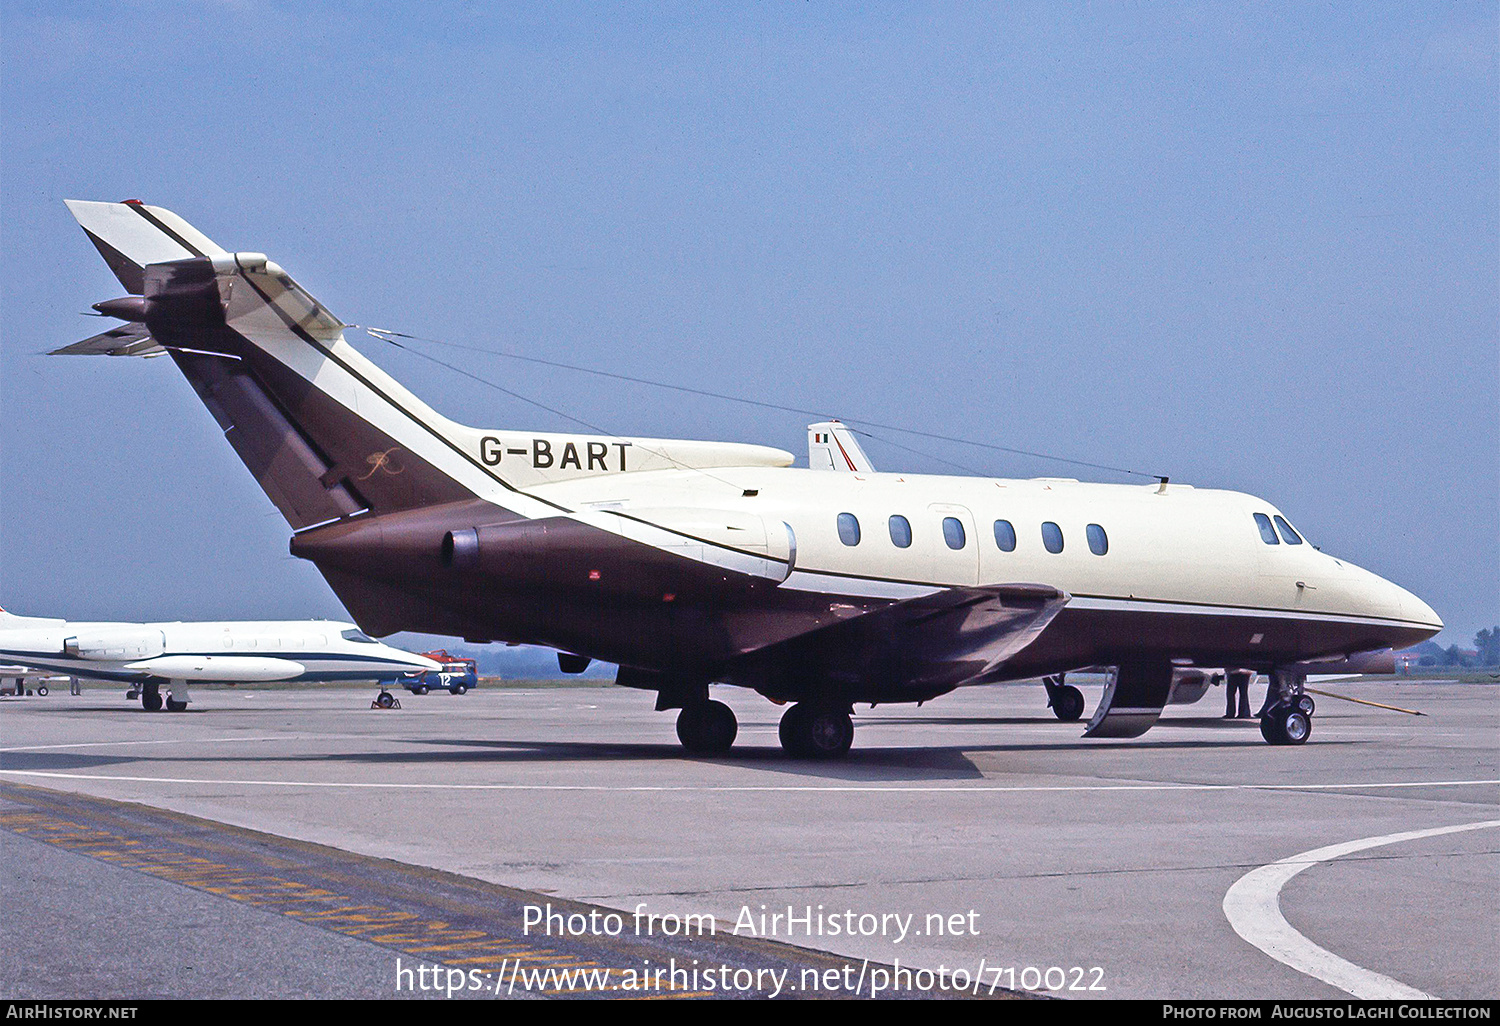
(1052, 538)
(1005, 536)
(1098, 540)
(900, 532)
(848, 529)
(953, 532)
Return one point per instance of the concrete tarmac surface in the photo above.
(976, 836)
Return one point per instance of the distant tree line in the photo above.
(1486, 652)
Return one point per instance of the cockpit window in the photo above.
(1287, 534)
(848, 529)
(352, 634)
(1267, 532)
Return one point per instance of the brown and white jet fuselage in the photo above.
(696, 562)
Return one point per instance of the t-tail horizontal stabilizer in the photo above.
(126, 340)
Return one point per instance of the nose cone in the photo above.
(420, 662)
(1417, 611)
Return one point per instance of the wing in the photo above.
(914, 649)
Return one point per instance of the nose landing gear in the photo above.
(1286, 718)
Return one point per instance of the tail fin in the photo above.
(831, 446)
(326, 433)
(131, 235)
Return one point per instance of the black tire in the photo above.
(151, 701)
(175, 706)
(1307, 705)
(814, 732)
(707, 728)
(458, 689)
(1270, 727)
(1067, 704)
(791, 730)
(1295, 727)
(385, 700)
(420, 689)
(41, 689)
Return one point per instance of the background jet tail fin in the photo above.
(831, 446)
(130, 235)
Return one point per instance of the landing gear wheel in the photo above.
(1286, 726)
(816, 732)
(1270, 727)
(1296, 726)
(385, 700)
(151, 700)
(175, 706)
(1306, 705)
(708, 728)
(1067, 703)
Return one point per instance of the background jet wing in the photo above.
(126, 340)
(928, 644)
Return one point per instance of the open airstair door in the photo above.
(1133, 700)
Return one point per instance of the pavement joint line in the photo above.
(1253, 907)
(160, 741)
(746, 788)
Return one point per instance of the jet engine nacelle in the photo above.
(115, 644)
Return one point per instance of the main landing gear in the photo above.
(152, 699)
(1066, 700)
(816, 731)
(706, 727)
(1286, 718)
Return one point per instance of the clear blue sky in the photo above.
(1250, 248)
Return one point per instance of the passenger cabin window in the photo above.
(1098, 540)
(1287, 534)
(900, 532)
(356, 635)
(1005, 536)
(1267, 532)
(848, 529)
(953, 532)
(1052, 538)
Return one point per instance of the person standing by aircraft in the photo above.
(1237, 686)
